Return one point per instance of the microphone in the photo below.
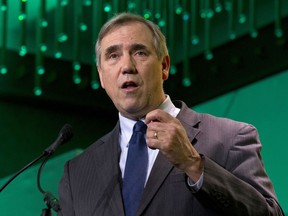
(50, 200)
(64, 136)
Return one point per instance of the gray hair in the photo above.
(159, 40)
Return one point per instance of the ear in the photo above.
(100, 76)
(165, 67)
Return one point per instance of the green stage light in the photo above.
(107, 8)
(186, 82)
(194, 39)
(95, 84)
(178, 10)
(77, 79)
(173, 70)
(147, 14)
(3, 70)
(23, 50)
(37, 91)
(83, 27)
(58, 55)
(62, 37)
(40, 70)
(21, 17)
(76, 66)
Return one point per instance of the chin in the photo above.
(134, 111)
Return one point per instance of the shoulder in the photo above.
(94, 150)
(208, 121)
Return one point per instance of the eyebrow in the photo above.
(112, 49)
(134, 47)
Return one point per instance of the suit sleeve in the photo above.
(242, 186)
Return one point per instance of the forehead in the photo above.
(127, 32)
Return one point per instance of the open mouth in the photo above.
(129, 84)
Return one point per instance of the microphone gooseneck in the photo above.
(51, 201)
(64, 136)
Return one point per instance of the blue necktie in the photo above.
(135, 169)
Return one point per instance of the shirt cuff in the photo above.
(195, 186)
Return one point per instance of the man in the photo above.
(198, 164)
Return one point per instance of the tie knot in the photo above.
(140, 126)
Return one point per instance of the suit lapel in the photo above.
(162, 167)
(110, 177)
(159, 173)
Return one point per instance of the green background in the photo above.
(263, 104)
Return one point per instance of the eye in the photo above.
(141, 53)
(113, 56)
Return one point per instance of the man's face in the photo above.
(130, 70)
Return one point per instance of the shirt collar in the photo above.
(127, 124)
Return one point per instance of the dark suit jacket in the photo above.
(235, 182)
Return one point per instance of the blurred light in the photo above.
(64, 3)
(43, 48)
(242, 18)
(44, 23)
(254, 33)
(209, 55)
(95, 84)
(83, 27)
(37, 91)
(23, 50)
(107, 7)
(178, 10)
(62, 37)
(87, 3)
(77, 79)
(76, 66)
(58, 55)
(194, 39)
(173, 70)
(157, 15)
(185, 16)
(40, 70)
(3, 70)
(22, 17)
(278, 32)
(207, 13)
(203, 14)
(147, 14)
(161, 23)
(131, 5)
(278, 29)
(186, 82)
(3, 7)
(232, 35)
(218, 7)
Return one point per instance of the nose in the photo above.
(128, 65)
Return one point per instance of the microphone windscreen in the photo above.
(66, 133)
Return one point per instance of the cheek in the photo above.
(106, 81)
(106, 76)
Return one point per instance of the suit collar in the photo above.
(189, 119)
